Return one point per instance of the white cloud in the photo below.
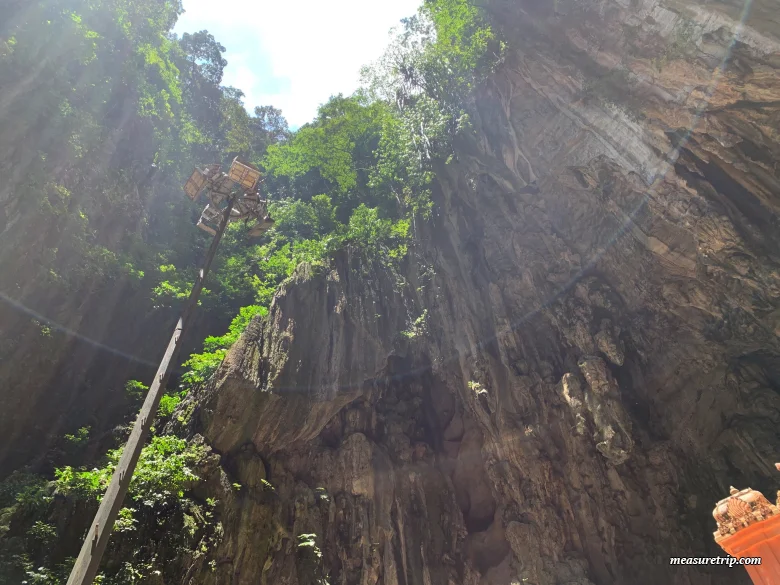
(295, 54)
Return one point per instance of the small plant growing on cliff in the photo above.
(308, 542)
(44, 329)
(135, 390)
(168, 403)
(418, 328)
(42, 533)
(79, 438)
(132, 573)
(186, 414)
(25, 490)
(476, 387)
(125, 521)
(377, 236)
(201, 366)
(44, 576)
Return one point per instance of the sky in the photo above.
(295, 54)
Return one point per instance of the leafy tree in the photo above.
(369, 231)
(426, 77)
(204, 54)
(301, 220)
(268, 127)
(334, 154)
(79, 438)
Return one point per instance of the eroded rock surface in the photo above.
(600, 356)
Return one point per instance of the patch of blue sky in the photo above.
(295, 54)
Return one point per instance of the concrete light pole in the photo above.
(232, 196)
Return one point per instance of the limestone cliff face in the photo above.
(578, 360)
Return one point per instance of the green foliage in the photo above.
(27, 490)
(45, 576)
(202, 365)
(186, 415)
(465, 46)
(164, 470)
(131, 573)
(338, 152)
(298, 220)
(275, 263)
(79, 438)
(418, 328)
(135, 390)
(173, 287)
(42, 533)
(372, 233)
(125, 522)
(315, 252)
(237, 326)
(338, 146)
(307, 542)
(476, 387)
(409, 142)
(84, 484)
(426, 77)
(44, 329)
(168, 403)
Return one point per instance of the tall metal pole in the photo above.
(87, 564)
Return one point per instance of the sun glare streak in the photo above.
(71, 333)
